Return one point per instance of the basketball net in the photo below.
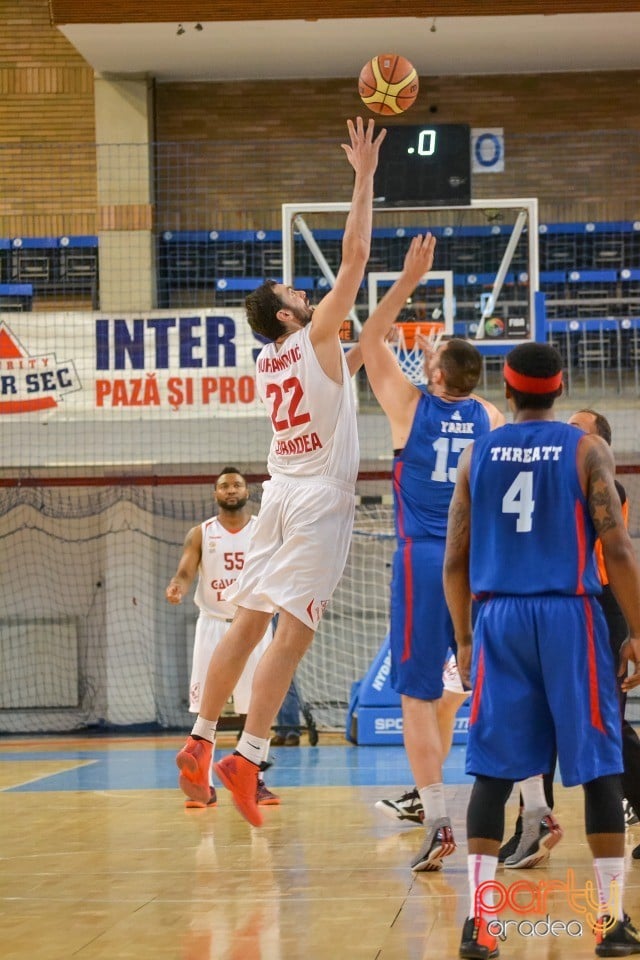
(409, 343)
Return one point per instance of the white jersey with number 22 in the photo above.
(313, 417)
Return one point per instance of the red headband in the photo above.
(525, 384)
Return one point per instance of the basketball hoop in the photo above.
(410, 355)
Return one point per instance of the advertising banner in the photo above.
(163, 364)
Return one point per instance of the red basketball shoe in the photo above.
(240, 777)
(196, 805)
(194, 762)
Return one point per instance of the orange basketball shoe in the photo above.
(265, 797)
(194, 762)
(477, 943)
(196, 805)
(240, 777)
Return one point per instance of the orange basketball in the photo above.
(388, 84)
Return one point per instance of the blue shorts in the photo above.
(543, 677)
(421, 630)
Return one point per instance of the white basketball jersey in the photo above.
(313, 417)
(222, 560)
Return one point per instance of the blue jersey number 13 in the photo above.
(444, 471)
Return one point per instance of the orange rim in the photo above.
(411, 328)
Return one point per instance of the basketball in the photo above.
(388, 84)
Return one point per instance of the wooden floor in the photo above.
(96, 868)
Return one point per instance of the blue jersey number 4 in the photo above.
(519, 500)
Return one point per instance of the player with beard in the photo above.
(303, 530)
(216, 550)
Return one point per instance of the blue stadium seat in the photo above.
(16, 296)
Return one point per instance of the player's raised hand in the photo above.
(419, 257)
(362, 151)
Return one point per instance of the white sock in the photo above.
(532, 790)
(253, 748)
(609, 872)
(432, 798)
(205, 729)
(480, 869)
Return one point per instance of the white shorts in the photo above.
(451, 678)
(209, 633)
(298, 550)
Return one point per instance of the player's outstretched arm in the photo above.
(187, 568)
(457, 587)
(395, 394)
(362, 153)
